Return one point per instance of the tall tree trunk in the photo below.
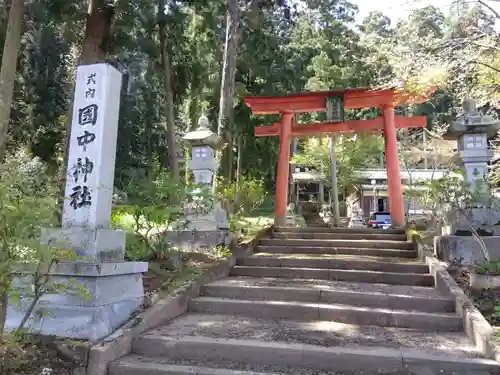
(4, 304)
(238, 170)
(97, 32)
(95, 46)
(172, 153)
(195, 81)
(230, 152)
(9, 66)
(228, 75)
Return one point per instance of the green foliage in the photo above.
(246, 227)
(319, 48)
(28, 204)
(362, 151)
(497, 314)
(32, 354)
(222, 251)
(173, 279)
(148, 206)
(453, 192)
(491, 267)
(446, 191)
(242, 197)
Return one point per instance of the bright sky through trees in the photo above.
(398, 9)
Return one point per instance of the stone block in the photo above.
(102, 245)
(290, 220)
(107, 294)
(196, 219)
(199, 240)
(465, 250)
(426, 321)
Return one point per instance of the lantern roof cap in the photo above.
(202, 135)
(473, 121)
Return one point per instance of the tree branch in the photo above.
(485, 65)
(495, 13)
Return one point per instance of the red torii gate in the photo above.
(288, 105)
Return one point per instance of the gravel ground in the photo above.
(323, 333)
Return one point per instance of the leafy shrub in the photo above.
(241, 198)
(146, 207)
(150, 205)
(28, 203)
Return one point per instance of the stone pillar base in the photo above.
(109, 294)
(290, 220)
(100, 245)
(199, 240)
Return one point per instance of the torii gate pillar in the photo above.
(281, 198)
(396, 201)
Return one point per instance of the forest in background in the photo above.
(182, 59)
(172, 56)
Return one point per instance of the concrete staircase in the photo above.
(313, 219)
(315, 301)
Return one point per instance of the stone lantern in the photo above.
(472, 130)
(203, 143)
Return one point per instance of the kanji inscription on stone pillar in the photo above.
(92, 150)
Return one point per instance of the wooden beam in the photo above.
(351, 126)
(316, 101)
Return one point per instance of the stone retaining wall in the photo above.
(465, 250)
(477, 328)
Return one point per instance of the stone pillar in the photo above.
(283, 169)
(393, 172)
(114, 287)
(321, 194)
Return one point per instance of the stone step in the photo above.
(368, 295)
(278, 249)
(318, 345)
(334, 261)
(338, 230)
(340, 236)
(335, 274)
(366, 244)
(141, 365)
(432, 322)
(321, 333)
